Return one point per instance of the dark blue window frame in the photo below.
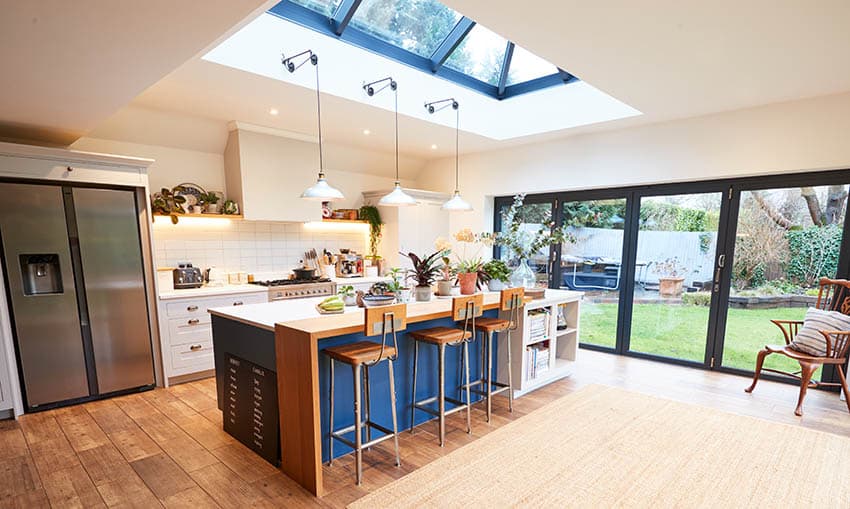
(337, 26)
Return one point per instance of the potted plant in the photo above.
(210, 202)
(446, 281)
(469, 272)
(424, 273)
(349, 297)
(498, 273)
(524, 243)
(371, 215)
(396, 285)
(168, 202)
(670, 277)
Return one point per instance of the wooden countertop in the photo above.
(301, 314)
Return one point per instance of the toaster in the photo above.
(186, 276)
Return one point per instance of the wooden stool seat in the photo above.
(440, 335)
(359, 352)
(488, 325)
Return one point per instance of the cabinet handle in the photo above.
(192, 308)
(69, 169)
(195, 348)
(194, 321)
(238, 303)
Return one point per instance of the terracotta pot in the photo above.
(670, 286)
(444, 288)
(467, 281)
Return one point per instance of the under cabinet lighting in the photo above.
(273, 112)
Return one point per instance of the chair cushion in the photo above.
(809, 340)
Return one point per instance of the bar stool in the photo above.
(466, 308)
(383, 321)
(511, 300)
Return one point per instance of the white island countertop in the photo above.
(302, 314)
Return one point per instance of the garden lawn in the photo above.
(679, 331)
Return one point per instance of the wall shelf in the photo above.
(349, 221)
(204, 215)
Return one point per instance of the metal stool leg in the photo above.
(510, 375)
(358, 438)
(413, 398)
(331, 417)
(489, 374)
(395, 419)
(367, 403)
(468, 400)
(441, 398)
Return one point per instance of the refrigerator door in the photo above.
(111, 256)
(46, 323)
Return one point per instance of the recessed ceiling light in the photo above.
(367, 132)
(433, 146)
(273, 111)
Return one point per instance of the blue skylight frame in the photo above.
(338, 26)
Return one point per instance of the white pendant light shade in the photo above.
(456, 203)
(397, 198)
(322, 191)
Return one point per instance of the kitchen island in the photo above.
(282, 342)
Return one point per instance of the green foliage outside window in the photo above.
(814, 253)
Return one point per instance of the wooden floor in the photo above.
(166, 447)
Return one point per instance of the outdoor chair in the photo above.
(834, 295)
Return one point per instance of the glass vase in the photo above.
(523, 276)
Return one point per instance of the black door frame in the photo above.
(732, 188)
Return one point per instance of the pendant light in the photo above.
(321, 190)
(397, 197)
(455, 203)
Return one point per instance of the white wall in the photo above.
(797, 136)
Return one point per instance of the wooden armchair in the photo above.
(834, 295)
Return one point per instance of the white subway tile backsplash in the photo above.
(250, 246)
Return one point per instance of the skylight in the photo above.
(429, 36)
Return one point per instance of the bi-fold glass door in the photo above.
(693, 273)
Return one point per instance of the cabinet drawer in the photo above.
(184, 330)
(192, 357)
(198, 307)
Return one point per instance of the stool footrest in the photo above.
(459, 405)
(338, 434)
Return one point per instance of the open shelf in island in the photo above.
(540, 352)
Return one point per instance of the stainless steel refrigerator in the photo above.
(75, 281)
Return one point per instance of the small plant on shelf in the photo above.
(371, 215)
(210, 201)
(168, 202)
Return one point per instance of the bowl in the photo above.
(371, 301)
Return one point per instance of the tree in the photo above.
(832, 213)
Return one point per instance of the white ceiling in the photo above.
(676, 59)
(669, 59)
(67, 65)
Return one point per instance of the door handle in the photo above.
(721, 261)
(194, 321)
(192, 308)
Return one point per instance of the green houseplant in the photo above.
(424, 273)
(372, 215)
(349, 297)
(498, 273)
(169, 203)
(210, 202)
(469, 273)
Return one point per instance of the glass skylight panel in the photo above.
(526, 66)
(326, 7)
(480, 55)
(418, 26)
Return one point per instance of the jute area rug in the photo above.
(608, 447)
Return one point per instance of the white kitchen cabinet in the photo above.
(411, 229)
(185, 331)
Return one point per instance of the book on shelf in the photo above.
(538, 324)
(537, 357)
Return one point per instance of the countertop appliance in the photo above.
(187, 276)
(349, 265)
(74, 273)
(284, 289)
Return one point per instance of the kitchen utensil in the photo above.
(185, 276)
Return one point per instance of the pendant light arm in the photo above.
(291, 66)
(455, 203)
